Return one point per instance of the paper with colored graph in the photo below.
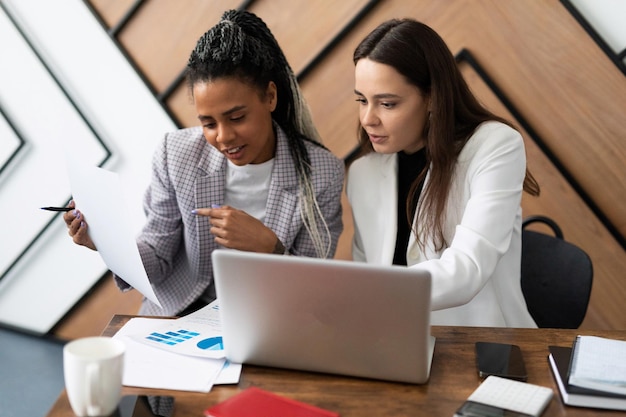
(197, 334)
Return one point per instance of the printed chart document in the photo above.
(149, 367)
(197, 334)
(98, 195)
(181, 354)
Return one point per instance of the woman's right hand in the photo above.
(77, 227)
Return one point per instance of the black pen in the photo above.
(57, 208)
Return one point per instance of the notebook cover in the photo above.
(559, 359)
(256, 402)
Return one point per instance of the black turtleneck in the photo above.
(409, 168)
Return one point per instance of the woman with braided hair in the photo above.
(252, 177)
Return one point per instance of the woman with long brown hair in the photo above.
(439, 180)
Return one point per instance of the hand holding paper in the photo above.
(98, 194)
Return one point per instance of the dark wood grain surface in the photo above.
(453, 378)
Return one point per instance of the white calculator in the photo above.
(502, 397)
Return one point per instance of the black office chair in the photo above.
(556, 277)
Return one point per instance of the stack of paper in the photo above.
(183, 354)
(599, 363)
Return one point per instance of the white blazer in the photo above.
(476, 278)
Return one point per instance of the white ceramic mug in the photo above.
(93, 368)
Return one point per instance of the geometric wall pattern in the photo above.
(60, 92)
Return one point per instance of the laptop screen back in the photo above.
(326, 316)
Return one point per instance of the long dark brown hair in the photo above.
(419, 54)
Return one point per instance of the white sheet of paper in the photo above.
(148, 367)
(230, 374)
(98, 195)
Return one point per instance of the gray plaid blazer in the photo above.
(188, 173)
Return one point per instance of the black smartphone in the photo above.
(500, 359)
(144, 406)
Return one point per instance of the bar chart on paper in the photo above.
(197, 334)
(172, 338)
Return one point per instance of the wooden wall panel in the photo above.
(163, 33)
(555, 75)
(303, 28)
(280, 15)
(329, 89)
(182, 106)
(556, 194)
(112, 12)
(570, 91)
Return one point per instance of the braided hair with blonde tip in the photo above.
(241, 45)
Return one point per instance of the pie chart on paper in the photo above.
(212, 343)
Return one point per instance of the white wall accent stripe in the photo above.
(84, 93)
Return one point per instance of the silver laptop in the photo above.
(329, 316)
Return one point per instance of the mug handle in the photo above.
(93, 376)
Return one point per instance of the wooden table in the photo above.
(453, 378)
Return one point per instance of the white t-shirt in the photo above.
(247, 187)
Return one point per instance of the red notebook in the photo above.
(255, 402)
